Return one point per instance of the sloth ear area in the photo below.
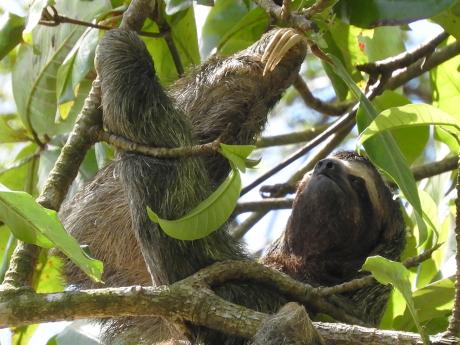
(278, 47)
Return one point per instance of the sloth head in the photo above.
(342, 213)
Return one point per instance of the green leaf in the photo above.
(174, 6)
(383, 150)
(237, 154)
(208, 216)
(450, 20)
(383, 42)
(75, 333)
(411, 140)
(245, 32)
(390, 272)
(371, 13)
(48, 274)
(407, 116)
(220, 20)
(34, 74)
(34, 16)
(35, 224)
(10, 129)
(183, 32)
(11, 27)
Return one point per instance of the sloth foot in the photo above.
(279, 45)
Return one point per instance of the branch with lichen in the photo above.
(28, 307)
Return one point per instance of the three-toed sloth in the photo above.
(343, 212)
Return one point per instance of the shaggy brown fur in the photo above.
(223, 95)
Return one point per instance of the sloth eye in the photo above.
(357, 182)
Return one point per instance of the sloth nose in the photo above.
(327, 166)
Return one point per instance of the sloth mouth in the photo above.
(332, 179)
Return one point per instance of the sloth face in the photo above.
(339, 213)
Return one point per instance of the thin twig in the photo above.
(317, 7)
(420, 67)
(334, 109)
(359, 283)
(263, 205)
(454, 321)
(51, 17)
(404, 59)
(286, 10)
(158, 152)
(295, 20)
(290, 138)
(166, 29)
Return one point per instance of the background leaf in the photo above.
(371, 13)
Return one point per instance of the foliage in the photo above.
(52, 67)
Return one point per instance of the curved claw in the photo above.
(279, 45)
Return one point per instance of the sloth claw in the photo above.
(278, 46)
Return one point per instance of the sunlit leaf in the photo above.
(34, 74)
(11, 27)
(174, 6)
(208, 216)
(34, 224)
(237, 154)
(390, 272)
(371, 13)
(407, 116)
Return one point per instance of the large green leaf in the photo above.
(183, 32)
(175, 6)
(11, 27)
(222, 18)
(35, 224)
(432, 301)
(407, 116)
(214, 211)
(208, 216)
(371, 13)
(390, 272)
(245, 32)
(34, 75)
(411, 140)
(383, 150)
(383, 42)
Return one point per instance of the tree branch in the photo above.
(454, 322)
(159, 152)
(404, 59)
(334, 109)
(190, 300)
(295, 20)
(290, 138)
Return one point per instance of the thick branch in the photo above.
(188, 300)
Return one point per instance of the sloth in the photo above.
(343, 212)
